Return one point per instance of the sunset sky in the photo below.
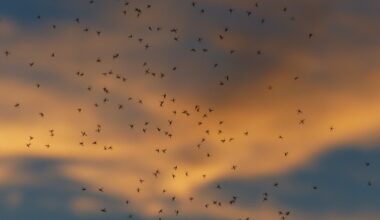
(189, 109)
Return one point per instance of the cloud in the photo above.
(337, 87)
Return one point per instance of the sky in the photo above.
(181, 109)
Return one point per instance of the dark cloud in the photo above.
(341, 177)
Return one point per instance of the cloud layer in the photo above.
(100, 95)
